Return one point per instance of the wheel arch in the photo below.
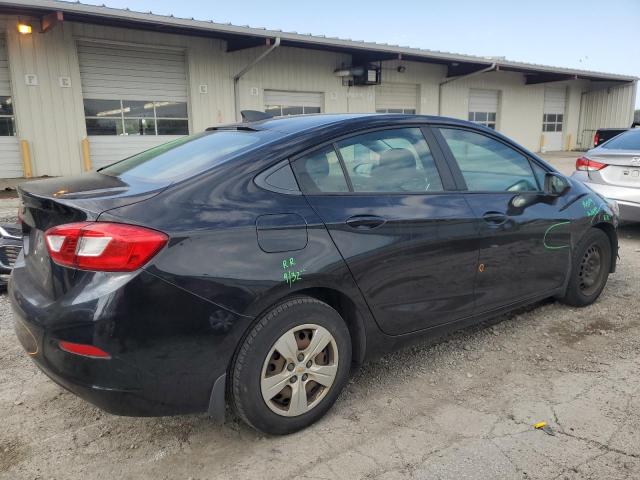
(336, 299)
(610, 231)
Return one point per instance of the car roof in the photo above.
(304, 123)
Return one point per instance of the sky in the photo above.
(602, 35)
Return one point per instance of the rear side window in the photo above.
(390, 161)
(320, 172)
(185, 156)
(625, 141)
(488, 165)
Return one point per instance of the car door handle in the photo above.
(495, 218)
(365, 222)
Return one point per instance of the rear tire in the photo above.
(291, 367)
(591, 265)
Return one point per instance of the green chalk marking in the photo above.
(291, 276)
(544, 240)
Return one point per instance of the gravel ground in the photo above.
(463, 408)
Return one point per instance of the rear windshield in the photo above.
(625, 141)
(185, 156)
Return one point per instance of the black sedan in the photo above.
(258, 263)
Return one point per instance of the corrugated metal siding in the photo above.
(48, 116)
(606, 108)
(397, 96)
(131, 73)
(298, 99)
(5, 81)
(483, 100)
(106, 149)
(520, 105)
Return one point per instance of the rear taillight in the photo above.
(588, 165)
(83, 350)
(596, 140)
(102, 246)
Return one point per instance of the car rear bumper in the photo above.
(628, 198)
(167, 346)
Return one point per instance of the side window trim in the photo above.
(458, 178)
(343, 166)
(442, 164)
(453, 163)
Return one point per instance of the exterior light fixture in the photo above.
(24, 29)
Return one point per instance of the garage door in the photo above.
(397, 98)
(134, 98)
(10, 162)
(553, 117)
(279, 102)
(483, 107)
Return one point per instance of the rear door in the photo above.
(389, 203)
(524, 234)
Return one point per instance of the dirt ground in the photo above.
(461, 409)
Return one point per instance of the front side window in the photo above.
(552, 122)
(488, 165)
(135, 117)
(390, 161)
(7, 120)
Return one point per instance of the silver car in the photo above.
(613, 170)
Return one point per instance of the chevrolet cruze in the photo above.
(257, 264)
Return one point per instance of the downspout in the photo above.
(477, 72)
(251, 64)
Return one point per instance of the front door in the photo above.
(409, 240)
(524, 234)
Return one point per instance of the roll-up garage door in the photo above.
(553, 117)
(134, 98)
(397, 98)
(279, 102)
(10, 162)
(483, 107)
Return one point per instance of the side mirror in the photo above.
(555, 184)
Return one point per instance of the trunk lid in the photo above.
(56, 201)
(623, 167)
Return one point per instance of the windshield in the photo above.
(186, 156)
(625, 141)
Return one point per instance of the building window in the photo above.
(488, 119)
(552, 122)
(407, 111)
(283, 110)
(135, 117)
(7, 120)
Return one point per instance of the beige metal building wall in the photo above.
(521, 106)
(606, 108)
(49, 116)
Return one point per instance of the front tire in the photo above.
(590, 270)
(291, 367)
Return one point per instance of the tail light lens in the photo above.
(102, 246)
(596, 140)
(588, 165)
